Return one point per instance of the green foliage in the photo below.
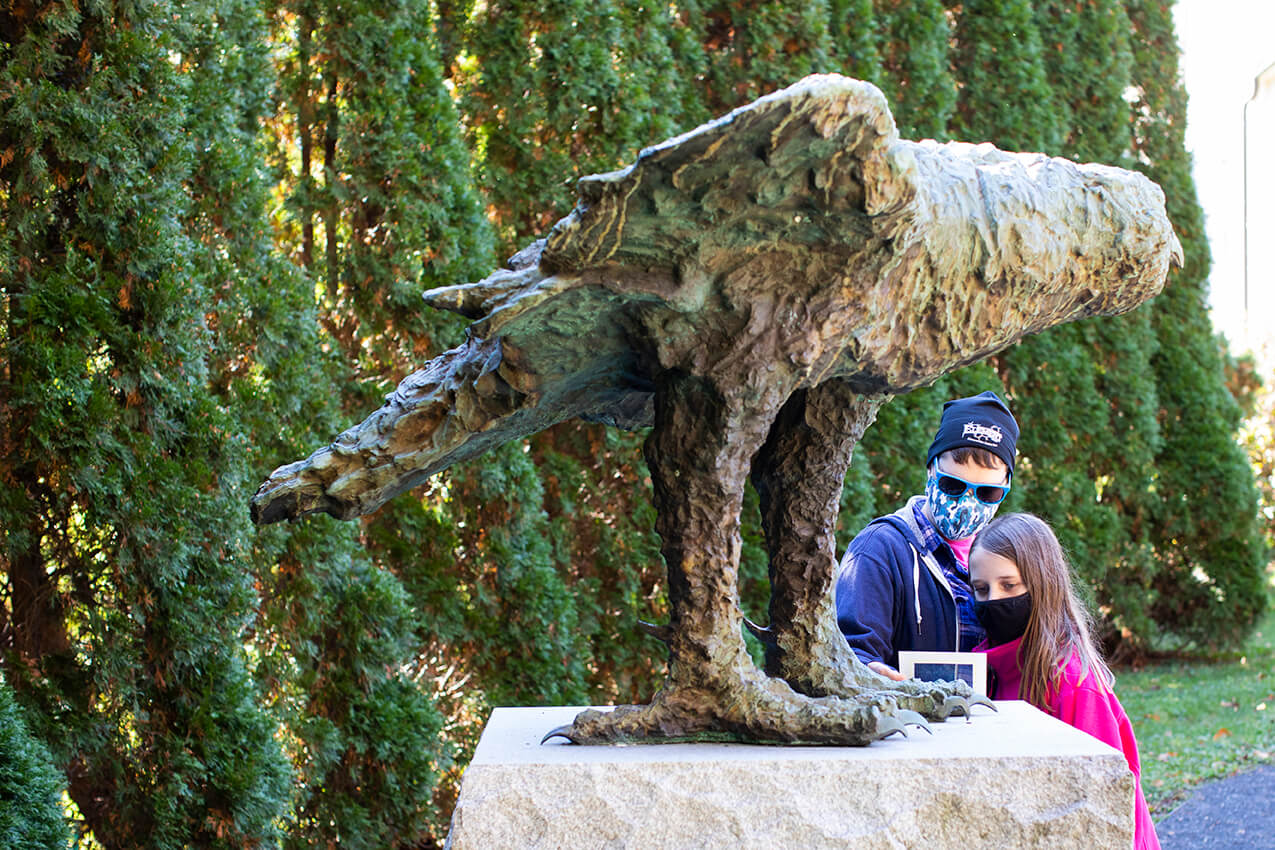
(1089, 435)
(1210, 588)
(554, 91)
(1086, 391)
(363, 740)
(30, 785)
(753, 48)
(999, 63)
(1095, 402)
(853, 33)
(366, 740)
(369, 151)
(598, 501)
(524, 635)
(383, 206)
(1087, 59)
(1211, 585)
(127, 564)
(916, 79)
(218, 218)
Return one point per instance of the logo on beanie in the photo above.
(988, 435)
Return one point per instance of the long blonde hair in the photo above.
(1058, 625)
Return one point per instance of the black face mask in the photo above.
(1004, 619)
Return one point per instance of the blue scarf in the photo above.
(957, 578)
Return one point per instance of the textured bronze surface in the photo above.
(754, 290)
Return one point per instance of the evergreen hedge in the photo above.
(217, 219)
(31, 786)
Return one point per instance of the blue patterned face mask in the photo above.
(957, 517)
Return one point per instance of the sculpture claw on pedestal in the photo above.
(979, 699)
(911, 718)
(754, 290)
(889, 726)
(560, 732)
(956, 705)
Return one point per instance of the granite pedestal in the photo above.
(1017, 778)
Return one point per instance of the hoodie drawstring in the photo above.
(916, 584)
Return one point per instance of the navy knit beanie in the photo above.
(982, 421)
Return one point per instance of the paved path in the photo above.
(1236, 813)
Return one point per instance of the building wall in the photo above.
(1259, 121)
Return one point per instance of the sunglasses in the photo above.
(955, 486)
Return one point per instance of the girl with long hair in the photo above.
(1039, 643)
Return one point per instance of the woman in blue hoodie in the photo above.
(904, 581)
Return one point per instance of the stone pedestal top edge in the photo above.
(1016, 730)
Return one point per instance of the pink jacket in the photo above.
(1088, 705)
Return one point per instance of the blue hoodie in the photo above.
(892, 594)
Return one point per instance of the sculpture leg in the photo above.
(699, 453)
(798, 473)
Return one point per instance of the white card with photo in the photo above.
(968, 667)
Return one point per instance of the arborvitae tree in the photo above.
(554, 91)
(658, 60)
(383, 208)
(597, 495)
(127, 580)
(163, 344)
(890, 464)
(1085, 392)
(521, 624)
(592, 86)
(756, 47)
(30, 786)
(1089, 64)
(1085, 47)
(603, 82)
(1072, 471)
(366, 738)
(913, 38)
(1000, 65)
(364, 742)
(852, 29)
(1005, 98)
(1210, 584)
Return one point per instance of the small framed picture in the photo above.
(968, 667)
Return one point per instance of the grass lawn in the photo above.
(1202, 719)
